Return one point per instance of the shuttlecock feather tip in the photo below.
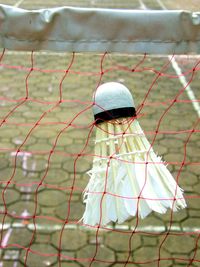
(121, 184)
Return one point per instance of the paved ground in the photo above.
(34, 126)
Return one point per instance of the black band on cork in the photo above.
(117, 113)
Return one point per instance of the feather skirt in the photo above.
(127, 178)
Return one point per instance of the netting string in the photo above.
(71, 189)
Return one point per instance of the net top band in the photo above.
(68, 29)
(112, 100)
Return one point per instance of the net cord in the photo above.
(100, 30)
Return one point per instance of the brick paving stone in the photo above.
(80, 165)
(3, 163)
(28, 186)
(92, 238)
(10, 196)
(188, 178)
(120, 241)
(56, 176)
(160, 150)
(197, 256)
(74, 148)
(195, 169)
(51, 198)
(176, 122)
(193, 213)
(58, 158)
(18, 140)
(122, 264)
(78, 133)
(79, 141)
(85, 122)
(11, 255)
(188, 189)
(31, 110)
(180, 216)
(175, 158)
(33, 164)
(176, 216)
(5, 143)
(196, 188)
(195, 137)
(104, 256)
(21, 206)
(80, 182)
(148, 240)
(193, 6)
(25, 107)
(85, 3)
(10, 263)
(42, 238)
(38, 147)
(41, 94)
(181, 262)
(76, 210)
(46, 132)
(147, 126)
(31, 178)
(40, 255)
(191, 222)
(192, 152)
(63, 141)
(25, 237)
(4, 219)
(179, 243)
(71, 239)
(48, 211)
(150, 253)
(184, 256)
(68, 264)
(69, 257)
(172, 144)
(45, 225)
(75, 196)
(68, 115)
(72, 264)
(152, 4)
(193, 203)
(18, 118)
(7, 2)
(121, 257)
(151, 220)
(79, 185)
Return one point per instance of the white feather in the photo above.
(121, 185)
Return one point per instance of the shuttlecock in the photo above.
(127, 178)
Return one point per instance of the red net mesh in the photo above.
(47, 136)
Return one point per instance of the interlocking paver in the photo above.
(179, 244)
(40, 260)
(104, 257)
(51, 198)
(121, 241)
(10, 196)
(150, 254)
(71, 239)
